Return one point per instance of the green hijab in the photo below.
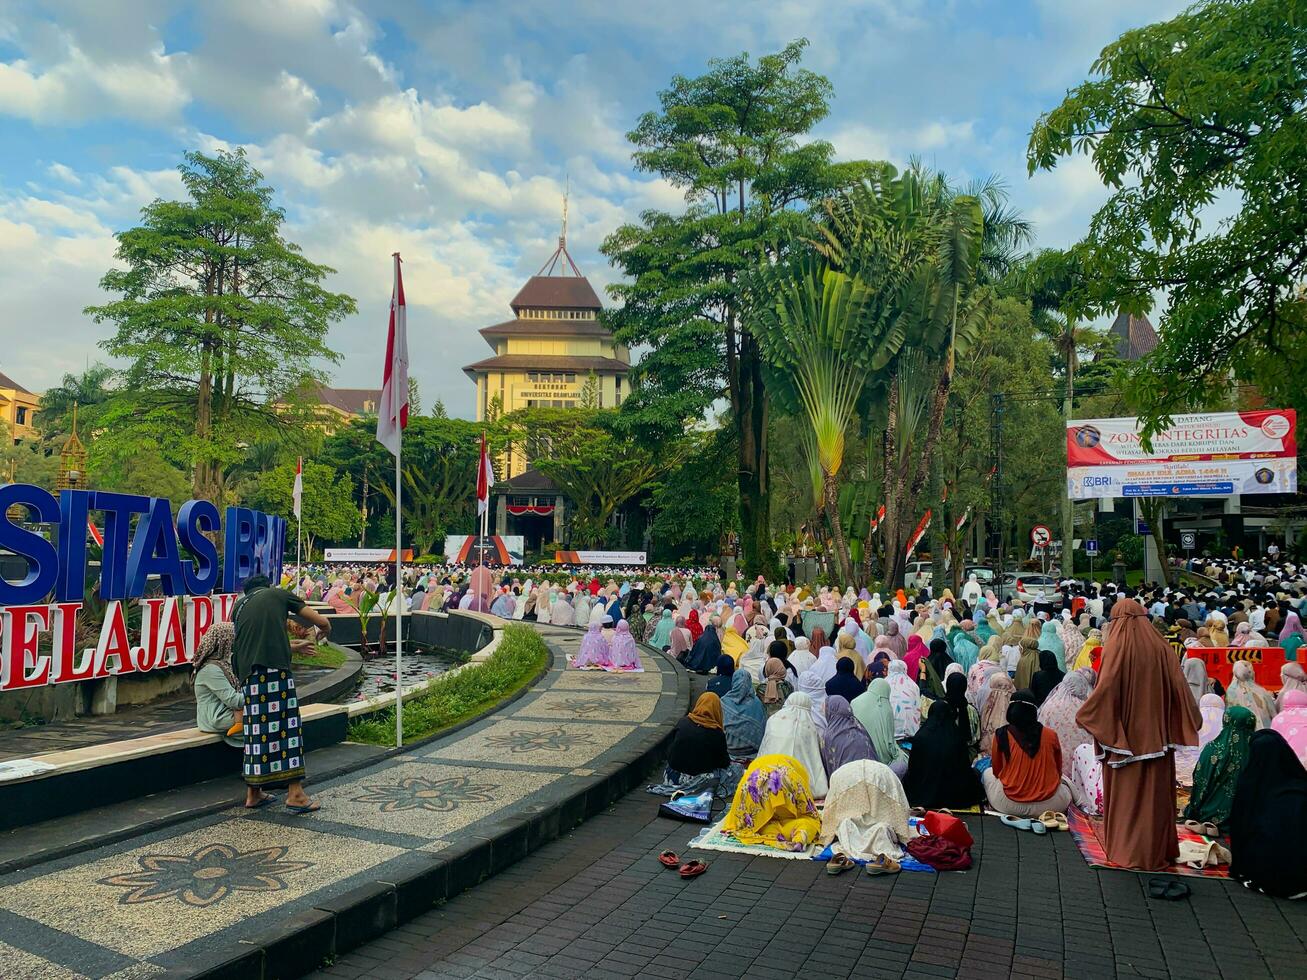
(873, 711)
(1219, 766)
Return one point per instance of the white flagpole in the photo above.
(299, 537)
(399, 607)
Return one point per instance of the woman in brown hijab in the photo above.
(1139, 711)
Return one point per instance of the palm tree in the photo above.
(820, 340)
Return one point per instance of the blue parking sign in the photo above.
(1091, 547)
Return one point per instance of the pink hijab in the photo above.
(916, 651)
(1291, 722)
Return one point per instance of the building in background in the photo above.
(18, 409)
(1135, 336)
(335, 408)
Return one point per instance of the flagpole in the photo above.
(399, 605)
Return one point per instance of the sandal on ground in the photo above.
(1172, 891)
(882, 865)
(1203, 829)
(261, 802)
(692, 869)
(839, 863)
(1023, 823)
(917, 811)
(1052, 820)
(313, 807)
(669, 859)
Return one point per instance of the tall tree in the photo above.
(733, 139)
(220, 318)
(1187, 121)
(329, 512)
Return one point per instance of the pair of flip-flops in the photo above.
(690, 869)
(1203, 829)
(1042, 824)
(1170, 890)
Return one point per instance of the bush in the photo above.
(428, 560)
(452, 698)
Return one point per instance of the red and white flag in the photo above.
(880, 516)
(297, 493)
(918, 534)
(966, 516)
(392, 414)
(485, 478)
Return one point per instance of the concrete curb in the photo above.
(306, 941)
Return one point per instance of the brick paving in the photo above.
(596, 903)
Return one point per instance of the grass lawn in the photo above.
(452, 698)
(324, 656)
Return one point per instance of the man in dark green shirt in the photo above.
(261, 660)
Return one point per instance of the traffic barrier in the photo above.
(1220, 661)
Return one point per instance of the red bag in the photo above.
(939, 853)
(949, 827)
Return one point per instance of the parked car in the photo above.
(917, 575)
(1029, 587)
(984, 574)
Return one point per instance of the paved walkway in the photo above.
(596, 904)
(178, 897)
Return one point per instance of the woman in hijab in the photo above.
(824, 667)
(845, 647)
(905, 700)
(898, 643)
(1291, 635)
(993, 711)
(1047, 677)
(1246, 636)
(693, 625)
(811, 685)
(1270, 797)
(775, 688)
(962, 645)
(662, 631)
(802, 657)
(791, 732)
(734, 645)
(743, 718)
(720, 684)
(1058, 714)
(1247, 693)
(680, 644)
(817, 638)
(916, 653)
(1025, 779)
(876, 716)
(755, 659)
(1219, 766)
(774, 804)
(581, 609)
(614, 611)
(219, 700)
(594, 652)
(845, 683)
(1085, 658)
(599, 614)
(1140, 710)
(562, 613)
(697, 758)
(939, 773)
(1292, 678)
(623, 653)
(845, 739)
(935, 667)
(1291, 722)
(1027, 663)
(990, 654)
(1217, 630)
(707, 648)
(967, 717)
(1195, 675)
(866, 811)
(1050, 638)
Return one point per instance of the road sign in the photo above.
(1040, 536)
(1188, 540)
(1091, 547)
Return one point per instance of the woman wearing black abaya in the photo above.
(934, 667)
(939, 765)
(1047, 677)
(703, 655)
(1270, 806)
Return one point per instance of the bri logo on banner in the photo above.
(141, 540)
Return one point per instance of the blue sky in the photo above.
(446, 131)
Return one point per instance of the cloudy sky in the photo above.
(446, 130)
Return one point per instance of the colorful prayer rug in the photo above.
(1087, 832)
(609, 670)
(715, 839)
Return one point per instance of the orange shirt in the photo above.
(1027, 780)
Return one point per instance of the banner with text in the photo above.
(600, 557)
(364, 554)
(1218, 455)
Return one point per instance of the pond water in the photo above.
(420, 665)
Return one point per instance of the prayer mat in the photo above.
(609, 670)
(1086, 831)
(715, 839)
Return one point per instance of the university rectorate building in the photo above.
(553, 353)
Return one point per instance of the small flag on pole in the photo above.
(485, 478)
(392, 414)
(297, 494)
(880, 516)
(96, 536)
(918, 534)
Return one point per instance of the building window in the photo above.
(617, 384)
(21, 418)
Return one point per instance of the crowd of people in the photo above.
(1087, 698)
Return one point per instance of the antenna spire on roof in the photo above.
(561, 262)
(567, 190)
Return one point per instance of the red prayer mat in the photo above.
(1087, 832)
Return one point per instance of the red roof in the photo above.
(557, 293)
(1134, 335)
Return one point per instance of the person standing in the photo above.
(261, 659)
(1140, 710)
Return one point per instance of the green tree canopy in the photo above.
(329, 512)
(733, 139)
(220, 318)
(1197, 126)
